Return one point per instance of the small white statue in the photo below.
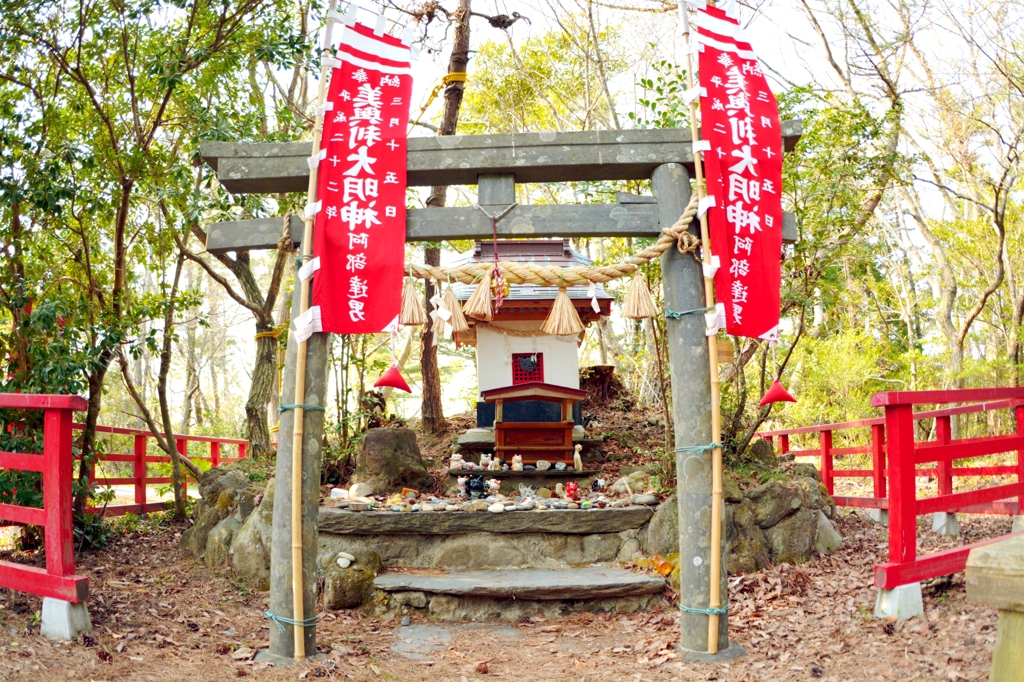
(493, 486)
(462, 485)
(456, 463)
(577, 459)
(517, 463)
(560, 491)
(485, 461)
(495, 464)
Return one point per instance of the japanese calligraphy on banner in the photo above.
(359, 235)
(740, 121)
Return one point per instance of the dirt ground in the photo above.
(159, 615)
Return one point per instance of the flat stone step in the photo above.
(528, 584)
(568, 521)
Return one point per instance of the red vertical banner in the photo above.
(359, 235)
(740, 123)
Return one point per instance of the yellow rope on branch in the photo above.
(531, 273)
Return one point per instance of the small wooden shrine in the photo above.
(513, 351)
(548, 440)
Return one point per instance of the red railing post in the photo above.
(139, 469)
(878, 460)
(57, 474)
(182, 445)
(1019, 413)
(827, 476)
(899, 423)
(215, 453)
(243, 449)
(943, 434)
(771, 441)
(784, 444)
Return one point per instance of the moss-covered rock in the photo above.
(774, 501)
(791, 540)
(218, 544)
(346, 588)
(250, 549)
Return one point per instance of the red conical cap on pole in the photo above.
(393, 378)
(777, 394)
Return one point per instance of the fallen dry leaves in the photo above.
(160, 615)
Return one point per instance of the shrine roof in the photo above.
(534, 390)
(550, 252)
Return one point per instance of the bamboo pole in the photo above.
(715, 558)
(298, 606)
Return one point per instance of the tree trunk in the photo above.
(431, 411)
(263, 376)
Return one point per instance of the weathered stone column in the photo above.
(282, 644)
(691, 414)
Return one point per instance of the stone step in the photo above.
(569, 521)
(511, 594)
(595, 582)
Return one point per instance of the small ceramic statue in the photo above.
(560, 490)
(598, 484)
(476, 487)
(527, 492)
(517, 463)
(485, 461)
(493, 486)
(495, 464)
(572, 490)
(456, 463)
(462, 485)
(577, 459)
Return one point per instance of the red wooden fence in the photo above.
(139, 459)
(56, 464)
(895, 457)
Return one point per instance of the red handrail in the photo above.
(895, 456)
(58, 579)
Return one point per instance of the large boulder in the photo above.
(194, 539)
(662, 536)
(761, 452)
(747, 550)
(791, 540)
(827, 538)
(218, 544)
(774, 501)
(250, 549)
(345, 588)
(390, 460)
(217, 480)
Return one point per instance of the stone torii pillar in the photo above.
(691, 417)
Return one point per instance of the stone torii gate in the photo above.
(495, 163)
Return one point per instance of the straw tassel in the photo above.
(563, 320)
(451, 304)
(412, 312)
(638, 304)
(479, 304)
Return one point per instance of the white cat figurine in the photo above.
(456, 463)
(517, 463)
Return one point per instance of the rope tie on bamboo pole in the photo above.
(698, 448)
(705, 612)
(281, 621)
(312, 408)
(673, 315)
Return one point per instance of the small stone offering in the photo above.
(543, 465)
(451, 507)
(572, 505)
(544, 492)
(649, 500)
(559, 466)
(343, 562)
(529, 467)
(497, 508)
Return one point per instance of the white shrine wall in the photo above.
(494, 355)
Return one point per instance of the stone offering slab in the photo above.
(568, 521)
(534, 584)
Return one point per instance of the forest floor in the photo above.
(160, 615)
